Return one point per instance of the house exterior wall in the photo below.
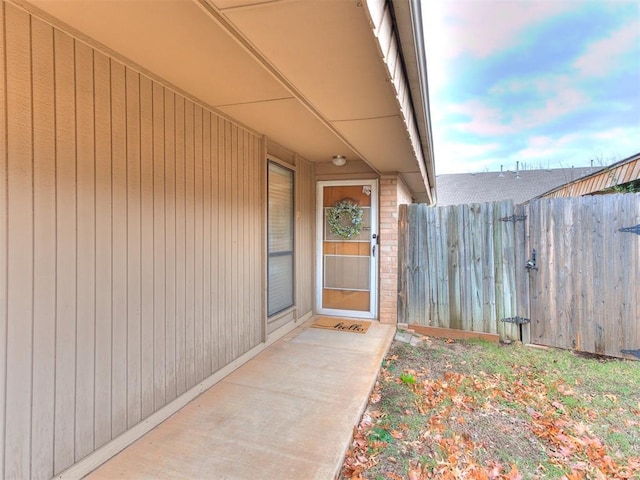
(305, 208)
(304, 235)
(393, 193)
(132, 226)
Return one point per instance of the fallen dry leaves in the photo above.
(443, 404)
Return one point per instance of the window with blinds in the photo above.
(280, 239)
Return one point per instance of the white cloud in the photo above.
(496, 117)
(600, 57)
(454, 157)
(543, 84)
(483, 119)
(479, 28)
(483, 27)
(574, 149)
(563, 101)
(578, 149)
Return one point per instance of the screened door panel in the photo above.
(347, 272)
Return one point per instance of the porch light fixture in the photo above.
(338, 160)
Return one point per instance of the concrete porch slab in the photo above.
(288, 413)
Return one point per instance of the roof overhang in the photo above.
(319, 77)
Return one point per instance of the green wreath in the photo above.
(345, 219)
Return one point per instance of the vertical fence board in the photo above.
(498, 271)
(577, 280)
(489, 312)
(431, 267)
(617, 250)
(453, 225)
(522, 255)
(442, 273)
(512, 330)
(475, 253)
(593, 298)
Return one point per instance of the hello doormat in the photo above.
(341, 325)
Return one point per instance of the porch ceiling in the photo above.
(307, 74)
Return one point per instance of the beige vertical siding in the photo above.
(305, 236)
(131, 246)
(4, 175)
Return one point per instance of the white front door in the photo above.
(347, 265)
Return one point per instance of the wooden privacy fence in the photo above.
(585, 294)
(470, 267)
(457, 267)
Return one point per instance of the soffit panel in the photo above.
(415, 182)
(294, 127)
(382, 141)
(326, 49)
(175, 40)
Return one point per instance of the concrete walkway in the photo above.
(287, 414)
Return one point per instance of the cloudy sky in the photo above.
(552, 83)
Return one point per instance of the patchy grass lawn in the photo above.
(458, 410)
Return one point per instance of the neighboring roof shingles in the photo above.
(463, 188)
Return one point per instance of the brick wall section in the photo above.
(393, 192)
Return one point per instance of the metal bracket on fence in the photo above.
(531, 263)
(516, 320)
(635, 229)
(635, 353)
(513, 218)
